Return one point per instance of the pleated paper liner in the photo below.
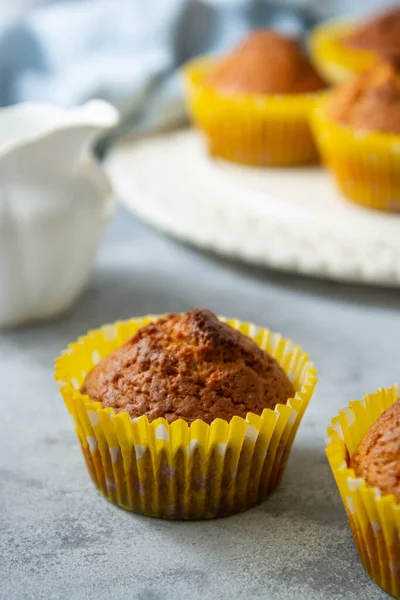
(259, 130)
(365, 165)
(374, 520)
(335, 61)
(175, 470)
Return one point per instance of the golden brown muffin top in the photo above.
(377, 458)
(380, 33)
(189, 366)
(265, 63)
(370, 101)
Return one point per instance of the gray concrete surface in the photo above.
(59, 540)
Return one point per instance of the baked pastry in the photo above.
(370, 101)
(363, 449)
(189, 366)
(265, 63)
(379, 33)
(253, 105)
(341, 49)
(377, 458)
(358, 134)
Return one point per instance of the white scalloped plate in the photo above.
(291, 219)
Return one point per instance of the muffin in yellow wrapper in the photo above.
(374, 519)
(252, 129)
(335, 61)
(176, 470)
(365, 165)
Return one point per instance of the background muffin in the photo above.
(254, 104)
(189, 366)
(341, 49)
(265, 63)
(358, 133)
(371, 101)
(379, 33)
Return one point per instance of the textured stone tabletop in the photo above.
(59, 540)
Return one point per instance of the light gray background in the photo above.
(60, 540)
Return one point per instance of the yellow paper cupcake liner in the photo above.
(374, 519)
(334, 61)
(365, 165)
(259, 130)
(182, 471)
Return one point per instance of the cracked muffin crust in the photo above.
(377, 458)
(189, 366)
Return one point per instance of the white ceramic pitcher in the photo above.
(54, 202)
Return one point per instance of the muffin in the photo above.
(189, 367)
(377, 458)
(371, 101)
(358, 133)
(185, 416)
(253, 105)
(363, 448)
(265, 63)
(341, 49)
(379, 34)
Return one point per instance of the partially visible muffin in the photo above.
(265, 63)
(380, 33)
(189, 366)
(370, 101)
(358, 132)
(377, 458)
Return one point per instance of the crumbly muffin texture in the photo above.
(266, 63)
(189, 366)
(377, 458)
(370, 101)
(380, 33)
